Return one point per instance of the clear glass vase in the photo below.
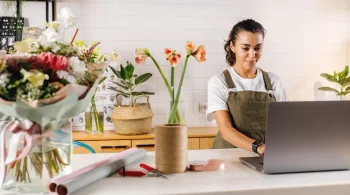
(49, 157)
(94, 120)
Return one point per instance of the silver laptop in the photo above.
(305, 136)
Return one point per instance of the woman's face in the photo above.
(248, 49)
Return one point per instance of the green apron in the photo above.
(248, 111)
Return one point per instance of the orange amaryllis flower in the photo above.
(190, 46)
(172, 57)
(140, 59)
(140, 51)
(141, 56)
(174, 60)
(199, 54)
(167, 52)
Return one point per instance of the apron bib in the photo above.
(248, 111)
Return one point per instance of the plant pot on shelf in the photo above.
(133, 120)
(171, 148)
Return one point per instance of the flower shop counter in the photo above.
(235, 179)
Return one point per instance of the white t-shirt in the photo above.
(218, 90)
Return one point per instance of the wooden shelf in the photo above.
(193, 132)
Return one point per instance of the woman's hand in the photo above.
(261, 149)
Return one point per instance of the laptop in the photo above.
(305, 137)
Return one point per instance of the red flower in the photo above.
(54, 62)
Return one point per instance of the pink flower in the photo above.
(54, 62)
(190, 46)
(200, 54)
(140, 59)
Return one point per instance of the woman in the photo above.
(238, 98)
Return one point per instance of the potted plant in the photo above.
(132, 118)
(171, 138)
(342, 81)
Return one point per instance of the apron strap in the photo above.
(267, 80)
(228, 79)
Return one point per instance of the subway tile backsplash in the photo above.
(303, 40)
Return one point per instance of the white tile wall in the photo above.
(304, 39)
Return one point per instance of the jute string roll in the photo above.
(171, 148)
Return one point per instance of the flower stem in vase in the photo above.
(174, 109)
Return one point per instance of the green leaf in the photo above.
(142, 93)
(347, 82)
(347, 89)
(329, 77)
(122, 72)
(346, 92)
(127, 83)
(335, 75)
(344, 73)
(119, 91)
(102, 79)
(121, 85)
(129, 69)
(142, 78)
(124, 95)
(328, 89)
(117, 73)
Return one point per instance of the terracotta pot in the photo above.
(171, 148)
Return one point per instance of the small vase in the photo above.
(49, 157)
(171, 148)
(94, 120)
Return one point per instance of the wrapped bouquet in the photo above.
(43, 84)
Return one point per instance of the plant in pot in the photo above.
(342, 81)
(171, 138)
(133, 118)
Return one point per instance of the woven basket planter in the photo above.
(134, 120)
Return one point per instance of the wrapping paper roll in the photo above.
(171, 148)
(85, 176)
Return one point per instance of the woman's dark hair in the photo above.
(248, 25)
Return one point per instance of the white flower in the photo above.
(77, 67)
(54, 25)
(4, 79)
(67, 17)
(65, 75)
(34, 47)
(55, 47)
(52, 35)
(42, 41)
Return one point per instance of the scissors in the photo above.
(151, 172)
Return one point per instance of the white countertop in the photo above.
(235, 179)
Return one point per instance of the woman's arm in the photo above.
(231, 135)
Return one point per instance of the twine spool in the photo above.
(171, 148)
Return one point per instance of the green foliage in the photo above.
(342, 79)
(129, 81)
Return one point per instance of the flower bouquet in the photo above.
(43, 84)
